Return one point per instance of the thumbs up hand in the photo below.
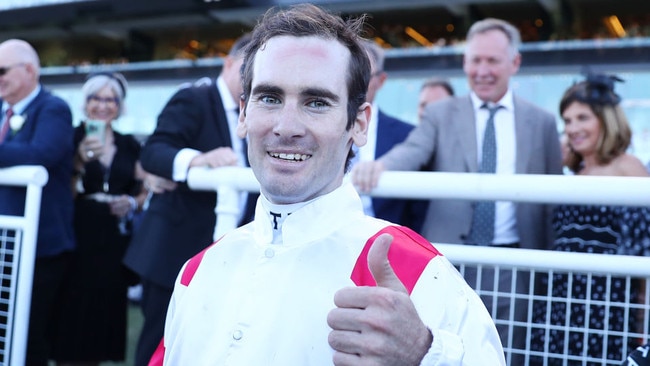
(380, 267)
(377, 325)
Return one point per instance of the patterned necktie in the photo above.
(482, 230)
(5, 126)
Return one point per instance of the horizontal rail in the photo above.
(23, 175)
(208, 179)
(626, 191)
(13, 222)
(544, 260)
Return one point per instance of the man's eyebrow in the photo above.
(320, 92)
(266, 89)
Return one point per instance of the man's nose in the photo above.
(289, 121)
(482, 68)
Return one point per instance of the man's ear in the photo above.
(227, 62)
(382, 79)
(242, 128)
(516, 62)
(360, 128)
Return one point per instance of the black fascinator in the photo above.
(600, 88)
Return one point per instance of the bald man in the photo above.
(40, 134)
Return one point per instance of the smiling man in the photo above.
(312, 280)
(490, 131)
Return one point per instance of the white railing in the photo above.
(630, 191)
(17, 254)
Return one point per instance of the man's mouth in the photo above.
(290, 157)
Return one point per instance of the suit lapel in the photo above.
(34, 102)
(466, 130)
(523, 137)
(28, 114)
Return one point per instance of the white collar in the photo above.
(226, 98)
(20, 107)
(307, 221)
(507, 101)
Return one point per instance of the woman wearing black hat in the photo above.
(599, 136)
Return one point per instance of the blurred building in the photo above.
(69, 32)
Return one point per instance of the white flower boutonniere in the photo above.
(16, 123)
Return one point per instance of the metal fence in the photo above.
(536, 266)
(17, 254)
(601, 273)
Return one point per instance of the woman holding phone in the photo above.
(91, 321)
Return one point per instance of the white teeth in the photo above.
(293, 157)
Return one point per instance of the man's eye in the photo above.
(269, 99)
(318, 103)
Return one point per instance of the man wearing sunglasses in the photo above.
(36, 129)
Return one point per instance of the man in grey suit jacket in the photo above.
(450, 139)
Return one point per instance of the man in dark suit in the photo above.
(40, 134)
(195, 128)
(384, 132)
(450, 139)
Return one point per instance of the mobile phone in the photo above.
(96, 128)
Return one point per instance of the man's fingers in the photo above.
(344, 341)
(221, 157)
(346, 359)
(357, 176)
(344, 319)
(377, 170)
(365, 175)
(380, 267)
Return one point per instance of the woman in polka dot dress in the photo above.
(599, 136)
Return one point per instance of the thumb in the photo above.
(379, 266)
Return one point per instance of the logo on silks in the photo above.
(277, 219)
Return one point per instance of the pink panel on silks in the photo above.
(193, 265)
(409, 255)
